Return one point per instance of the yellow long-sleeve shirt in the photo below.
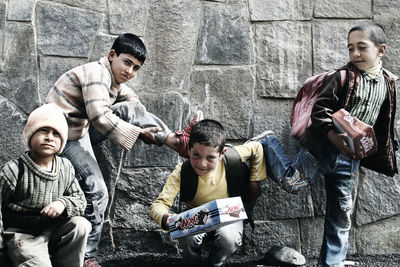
(211, 186)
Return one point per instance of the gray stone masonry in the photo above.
(240, 61)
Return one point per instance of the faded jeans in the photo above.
(80, 153)
(226, 240)
(339, 173)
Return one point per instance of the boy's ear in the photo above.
(111, 55)
(381, 50)
(221, 156)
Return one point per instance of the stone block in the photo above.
(171, 32)
(280, 10)
(18, 79)
(378, 197)
(330, 44)
(230, 105)
(379, 238)
(224, 36)
(128, 244)
(2, 32)
(128, 16)
(65, 31)
(102, 46)
(12, 122)
(276, 204)
(312, 232)
(283, 57)
(135, 192)
(274, 114)
(95, 5)
(382, 7)
(343, 9)
(20, 10)
(271, 233)
(171, 108)
(51, 68)
(391, 24)
(110, 157)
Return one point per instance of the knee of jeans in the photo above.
(81, 226)
(344, 213)
(229, 242)
(93, 186)
(126, 110)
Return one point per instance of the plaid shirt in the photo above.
(369, 97)
(85, 95)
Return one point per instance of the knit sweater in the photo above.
(85, 94)
(38, 188)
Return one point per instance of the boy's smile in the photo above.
(124, 67)
(363, 53)
(204, 158)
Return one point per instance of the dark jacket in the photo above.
(333, 98)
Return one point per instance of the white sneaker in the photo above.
(260, 136)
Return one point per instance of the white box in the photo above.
(207, 217)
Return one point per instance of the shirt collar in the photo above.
(369, 77)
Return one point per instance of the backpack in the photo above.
(300, 119)
(237, 176)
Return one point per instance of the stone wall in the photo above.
(240, 61)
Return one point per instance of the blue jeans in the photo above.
(339, 173)
(226, 239)
(80, 153)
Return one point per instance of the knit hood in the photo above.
(48, 115)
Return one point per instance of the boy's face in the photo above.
(124, 67)
(204, 158)
(45, 142)
(363, 53)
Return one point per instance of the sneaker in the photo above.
(296, 183)
(350, 263)
(260, 136)
(91, 263)
(185, 134)
(284, 256)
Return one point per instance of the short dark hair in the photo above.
(209, 133)
(375, 32)
(129, 43)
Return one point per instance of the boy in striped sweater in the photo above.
(41, 202)
(98, 105)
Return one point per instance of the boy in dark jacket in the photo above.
(369, 96)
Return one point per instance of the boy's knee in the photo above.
(344, 213)
(229, 242)
(92, 184)
(81, 226)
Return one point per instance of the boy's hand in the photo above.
(339, 141)
(164, 221)
(54, 209)
(147, 135)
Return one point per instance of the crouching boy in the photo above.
(206, 153)
(41, 202)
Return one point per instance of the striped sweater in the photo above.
(85, 94)
(38, 188)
